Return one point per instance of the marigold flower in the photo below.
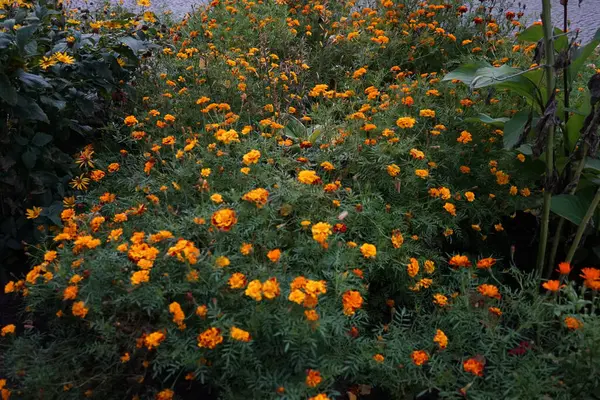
(251, 157)
(320, 396)
(70, 292)
(258, 196)
(441, 339)
(378, 358)
(496, 311)
(573, 323)
(489, 291)
(321, 231)
(352, 301)
(413, 267)
(254, 290)
(239, 334)
(178, 315)
(591, 278)
(308, 177)
(201, 311)
(224, 219)
(368, 250)
(450, 208)
(440, 300)
(166, 394)
(79, 309)
(397, 239)
(140, 277)
(465, 137)
(486, 263)
(7, 330)
(210, 338)
(470, 196)
(393, 170)
(405, 122)
(130, 120)
(270, 288)
(237, 281)
(419, 357)
(427, 113)
(313, 378)
(422, 173)
(473, 366)
(460, 261)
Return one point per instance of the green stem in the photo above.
(584, 222)
(561, 223)
(550, 87)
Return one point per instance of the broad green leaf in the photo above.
(536, 32)
(41, 139)
(513, 128)
(5, 40)
(29, 158)
(577, 120)
(49, 101)
(486, 119)
(465, 73)
(570, 207)
(134, 44)
(592, 163)
(581, 54)
(7, 91)
(32, 80)
(24, 34)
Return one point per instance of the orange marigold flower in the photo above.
(140, 276)
(274, 255)
(251, 157)
(465, 137)
(79, 309)
(308, 177)
(352, 301)
(393, 170)
(166, 394)
(224, 219)
(154, 339)
(254, 290)
(313, 378)
(397, 239)
(450, 208)
(379, 358)
(210, 338)
(258, 196)
(486, 263)
(422, 173)
(441, 339)
(489, 291)
(321, 231)
(7, 330)
(413, 267)
(270, 288)
(460, 261)
(130, 120)
(573, 323)
(419, 357)
(237, 281)
(70, 292)
(405, 122)
(473, 366)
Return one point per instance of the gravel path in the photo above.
(585, 17)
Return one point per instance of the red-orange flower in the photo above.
(473, 366)
(460, 261)
(564, 268)
(553, 286)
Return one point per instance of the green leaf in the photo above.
(29, 158)
(56, 103)
(465, 73)
(486, 119)
(134, 44)
(532, 34)
(7, 91)
(24, 34)
(5, 40)
(581, 54)
(570, 207)
(577, 120)
(32, 80)
(513, 128)
(41, 139)
(592, 163)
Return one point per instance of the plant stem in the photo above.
(584, 222)
(561, 223)
(550, 87)
(566, 89)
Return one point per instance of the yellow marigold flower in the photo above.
(205, 172)
(258, 196)
(422, 173)
(224, 219)
(270, 288)
(216, 198)
(440, 300)
(470, 196)
(237, 281)
(320, 396)
(239, 334)
(368, 250)
(427, 113)
(201, 311)
(397, 239)
(321, 232)
(246, 248)
(308, 177)
(465, 137)
(251, 157)
(450, 208)
(297, 296)
(140, 277)
(393, 170)
(177, 312)
(327, 166)
(405, 122)
(210, 338)
(222, 262)
(254, 290)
